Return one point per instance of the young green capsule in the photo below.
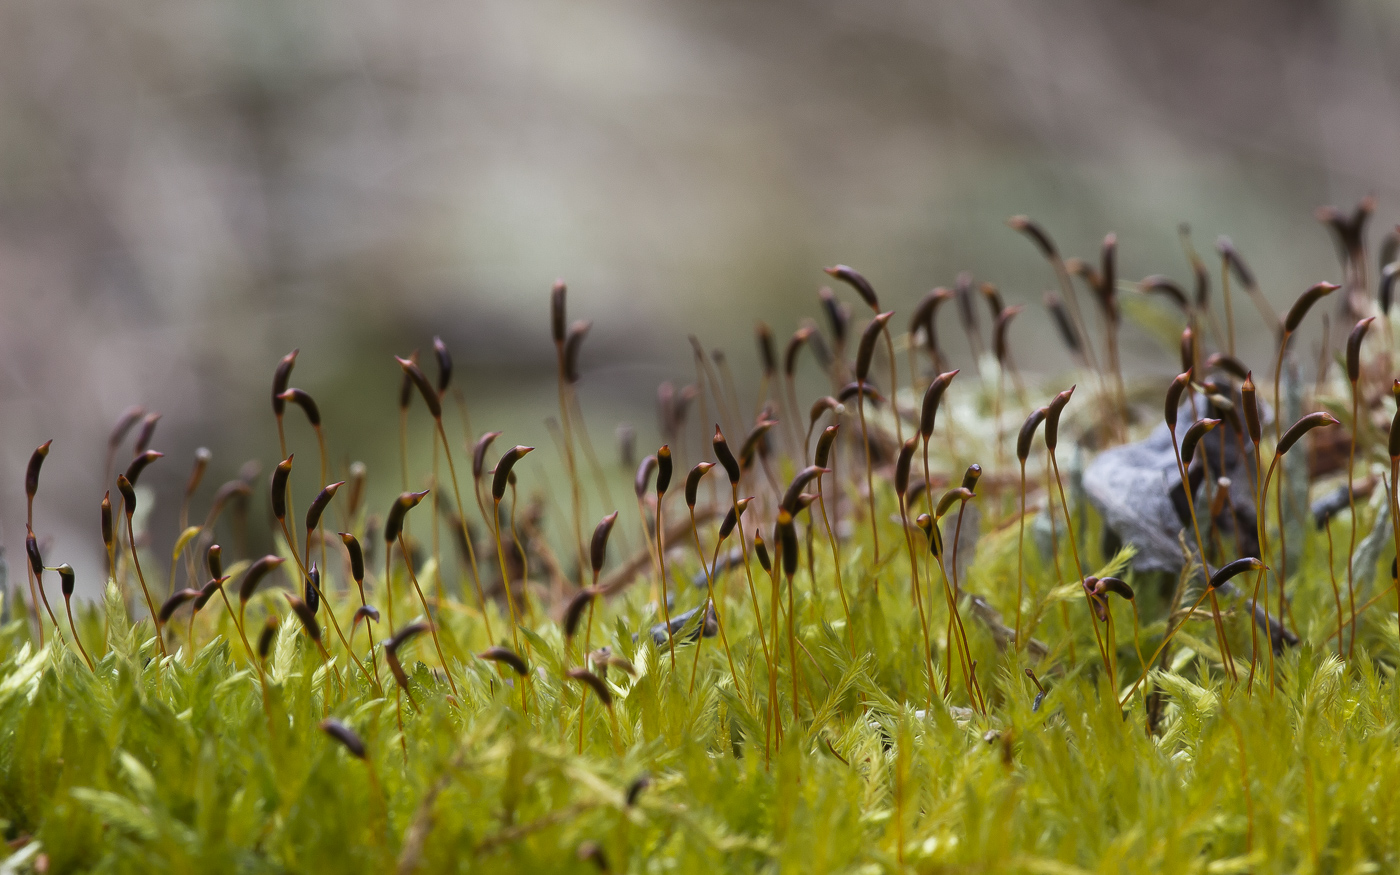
(352, 743)
(319, 504)
(506, 656)
(1358, 334)
(865, 353)
(1308, 423)
(663, 470)
(444, 365)
(1199, 429)
(692, 482)
(420, 381)
(503, 468)
(280, 475)
(1023, 441)
(857, 282)
(598, 549)
(139, 464)
(255, 574)
(933, 397)
(393, 523)
(824, 443)
(31, 474)
(1052, 417)
(281, 377)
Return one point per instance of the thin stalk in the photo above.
(136, 560)
(432, 627)
(712, 604)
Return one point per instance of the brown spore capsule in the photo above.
(822, 455)
(140, 463)
(444, 364)
(1023, 440)
(357, 556)
(393, 523)
(501, 479)
(31, 473)
(425, 389)
(598, 547)
(280, 476)
(255, 575)
(692, 482)
(933, 398)
(320, 503)
(281, 377)
(853, 279)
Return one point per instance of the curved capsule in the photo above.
(1174, 393)
(933, 398)
(1239, 566)
(971, 476)
(573, 345)
(207, 592)
(1358, 334)
(305, 615)
(148, 428)
(503, 467)
(1003, 324)
(31, 474)
(255, 574)
(420, 380)
(303, 399)
(1052, 417)
(1227, 363)
(1161, 285)
(799, 339)
(557, 308)
(573, 612)
(935, 537)
(753, 441)
(357, 556)
(1199, 429)
(726, 457)
(663, 469)
(864, 389)
(857, 282)
(822, 406)
(1386, 292)
(281, 377)
(766, 354)
(1235, 262)
(799, 482)
(865, 353)
(1023, 440)
(1036, 234)
(444, 364)
(393, 523)
(36, 559)
(643, 478)
(66, 579)
(483, 444)
(823, 453)
(128, 495)
(1306, 424)
(1063, 324)
(692, 482)
(172, 604)
(138, 464)
(1300, 307)
(957, 493)
(598, 549)
(787, 541)
(1188, 349)
(1115, 586)
(345, 735)
(1249, 400)
(319, 504)
(269, 632)
(366, 613)
(761, 549)
(201, 464)
(836, 314)
(902, 465)
(594, 683)
(506, 656)
(731, 519)
(280, 475)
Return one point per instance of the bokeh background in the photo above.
(190, 188)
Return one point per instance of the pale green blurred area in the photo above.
(189, 189)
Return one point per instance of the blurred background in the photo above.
(190, 189)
